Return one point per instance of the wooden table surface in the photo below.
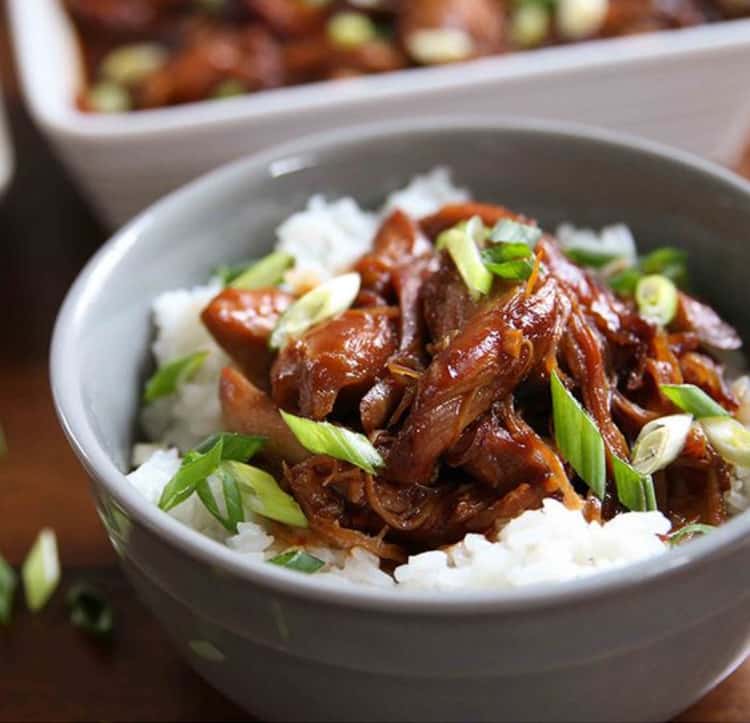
(48, 670)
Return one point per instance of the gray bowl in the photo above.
(639, 643)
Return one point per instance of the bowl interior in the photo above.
(551, 174)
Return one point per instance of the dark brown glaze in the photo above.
(454, 393)
(241, 322)
(696, 317)
(347, 353)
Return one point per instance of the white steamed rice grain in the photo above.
(616, 240)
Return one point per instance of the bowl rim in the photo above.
(280, 160)
(597, 53)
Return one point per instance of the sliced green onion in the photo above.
(729, 438)
(207, 651)
(530, 24)
(89, 610)
(656, 297)
(323, 302)
(106, 97)
(237, 447)
(41, 570)
(693, 400)
(196, 466)
(586, 257)
(269, 271)
(634, 489)
(350, 29)
(501, 252)
(625, 282)
(667, 261)
(298, 560)
(232, 500)
(660, 442)
(434, 46)
(227, 273)
(168, 377)
(230, 88)
(512, 232)
(8, 585)
(130, 64)
(512, 270)
(263, 494)
(689, 531)
(336, 442)
(578, 438)
(464, 251)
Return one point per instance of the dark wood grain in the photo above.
(49, 670)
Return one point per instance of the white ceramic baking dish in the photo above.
(688, 88)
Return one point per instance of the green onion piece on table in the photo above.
(693, 400)
(336, 442)
(168, 377)
(298, 560)
(660, 442)
(8, 585)
(689, 531)
(729, 438)
(323, 302)
(41, 570)
(578, 438)
(268, 271)
(263, 495)
(656, 297)
(89, 610)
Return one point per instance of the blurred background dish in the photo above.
(686, 87)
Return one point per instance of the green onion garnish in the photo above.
(592, 259)
(263, 495)
(729, 438)
(238, 447)
(336, 442)
(464, 251)
(41, 570)
(268, 271)
(298, 560)
(667, 261)
(693, 400)
(232, 500)
(625, 282)
(512, 232)
(226, 273)
(660, 442)
(688, 531)
(229, 88)
(578, 438)
(518, 270)
(168, 377)
(501, 252)
(323, 302)
(351, 29)
(656, 297)
(195, 468)
(634, 489)
(89, 610)
(130, 64)
(106, 97)
(8, 584)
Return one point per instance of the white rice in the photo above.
(550, 544)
